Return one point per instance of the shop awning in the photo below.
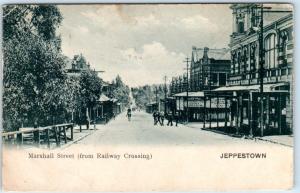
(180, 94)
(256, 87)
(152, 103)
(191, 94)
(196, 94)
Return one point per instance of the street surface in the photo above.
(141, 131)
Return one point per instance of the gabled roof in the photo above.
(217, 54)
(103, 98)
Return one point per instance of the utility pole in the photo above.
(156, 99)
(262, 60)
(187, 88)
(165, 78)
(261, 69)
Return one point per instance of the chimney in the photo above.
(205, 56)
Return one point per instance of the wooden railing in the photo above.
(41, 134)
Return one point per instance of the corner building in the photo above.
(243, 82)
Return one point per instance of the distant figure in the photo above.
(87, 122)
(155, 117)
(170, 119)
(129, 114)
(176, 117)
(162, 118)
(114, 115)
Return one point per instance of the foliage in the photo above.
(120, 91)
(147, 94)
(90, 88)
(33, 74)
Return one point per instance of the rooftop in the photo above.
(215, 53)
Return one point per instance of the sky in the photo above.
(142, 43)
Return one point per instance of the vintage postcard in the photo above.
(147, 97)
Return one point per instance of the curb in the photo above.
(241, 136)
(223, 133)
(78, 139)
(270, 141)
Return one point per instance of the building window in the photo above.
(222, 79)
(270, 51)
(253, 57)
(239, 59)
(241, 27)
(214, 79)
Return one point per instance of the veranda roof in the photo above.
(191, 94)
(256, 87)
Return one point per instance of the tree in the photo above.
(147, 93)
(120, 91)
(33, 71)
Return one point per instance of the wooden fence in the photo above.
(41, 134)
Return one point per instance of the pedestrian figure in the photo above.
(128, 114)
(87, 122)
(176, 118)
(162, 118)
(170, 119)
(155, 117)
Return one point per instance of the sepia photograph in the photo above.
(148, 97)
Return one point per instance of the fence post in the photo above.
(58, 133)
(20, 138)
(56, 136)
(72, 129)
(65, 133)
(48, 138)
(36, 137)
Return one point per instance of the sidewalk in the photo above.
(81, 135)
(287, 140)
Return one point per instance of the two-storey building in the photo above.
(242, 93)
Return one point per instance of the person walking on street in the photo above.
(158, 117)
(176, 118)
(170, 119)
(155, 116)
(162, 118)
(129, 114)
(114, 115)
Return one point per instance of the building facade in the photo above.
(253, 112)
(209, 70)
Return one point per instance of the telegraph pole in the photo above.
(156, 99)
(261, 69)
(187, 88)
(262, 60)
(165, 78)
